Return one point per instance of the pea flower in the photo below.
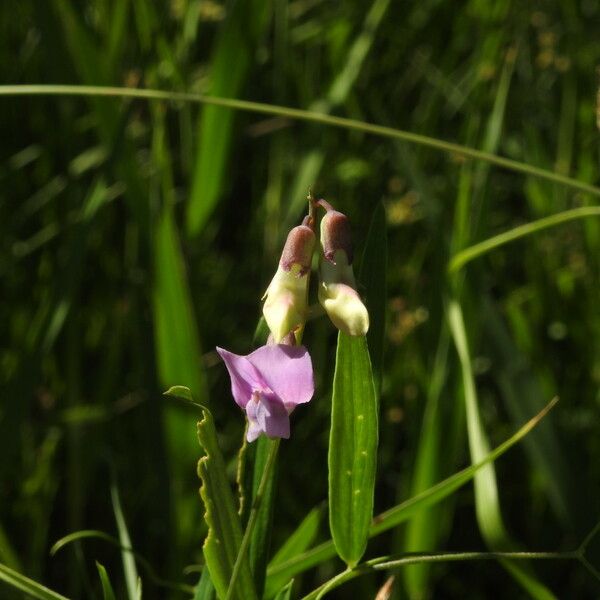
(268, 384)
(337, 289)
(285, 298)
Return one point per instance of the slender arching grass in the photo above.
(300, 115)
(468, 254)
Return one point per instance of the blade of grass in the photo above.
(301, 539)
(129, 568)
(460, 259)
(302, 115)
(422, 531)
(487, 503)
(144, 563)
(229, 68)
(28, 586)
(107, 589)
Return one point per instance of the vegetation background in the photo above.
(136, 235)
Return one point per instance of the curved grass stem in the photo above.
(300, 115)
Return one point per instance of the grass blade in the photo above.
(352, 448)
(304, 115)
(131, 574)
(301, 539)
(30, 587)
(461, 258)
(230, 65)
(107, 590)
(487, 503)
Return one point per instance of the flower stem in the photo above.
(253, 516)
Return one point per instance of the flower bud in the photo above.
(286, 297)
(339, 298)
(336, 235)
(337, 291)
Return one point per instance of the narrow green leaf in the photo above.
(107, 590)
(7, 553)
(224, 529)
(28, 586)
(403, 511)
(178, 346)
(302, 115)
(372, 277)
(101, 535)
(285, 593)
(460, 259)
(487, 502)
(298, 542)
(424, 529)
(205, 590)
(178, 352)
(229, 67)
(352, 448)
(129, 567)
(260, 541)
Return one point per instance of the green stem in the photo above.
(252, 519)
(302, 115)
(388, 562)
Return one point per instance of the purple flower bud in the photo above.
(337, 290)
(285, 298)
(298, 249)
(336, 235)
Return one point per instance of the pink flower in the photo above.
(268, 384)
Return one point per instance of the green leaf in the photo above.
(229, 67)
(298, 542)
(205, 590)
(260, 542)
(180, 391)
(177, 345)
(372, 277)
(129, 567)
(26, 585)
(487, 503)
(460, 259)
(178, 352)
(403, 511)
(107, 590)
(352, 448)
(224, 529)
(285, 593)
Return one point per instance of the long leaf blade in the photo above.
(352, 448)
(487, 502)
(107, 589)
(34, 589)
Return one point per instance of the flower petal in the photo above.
(244, 377)
(287, 370)
(272, 418)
